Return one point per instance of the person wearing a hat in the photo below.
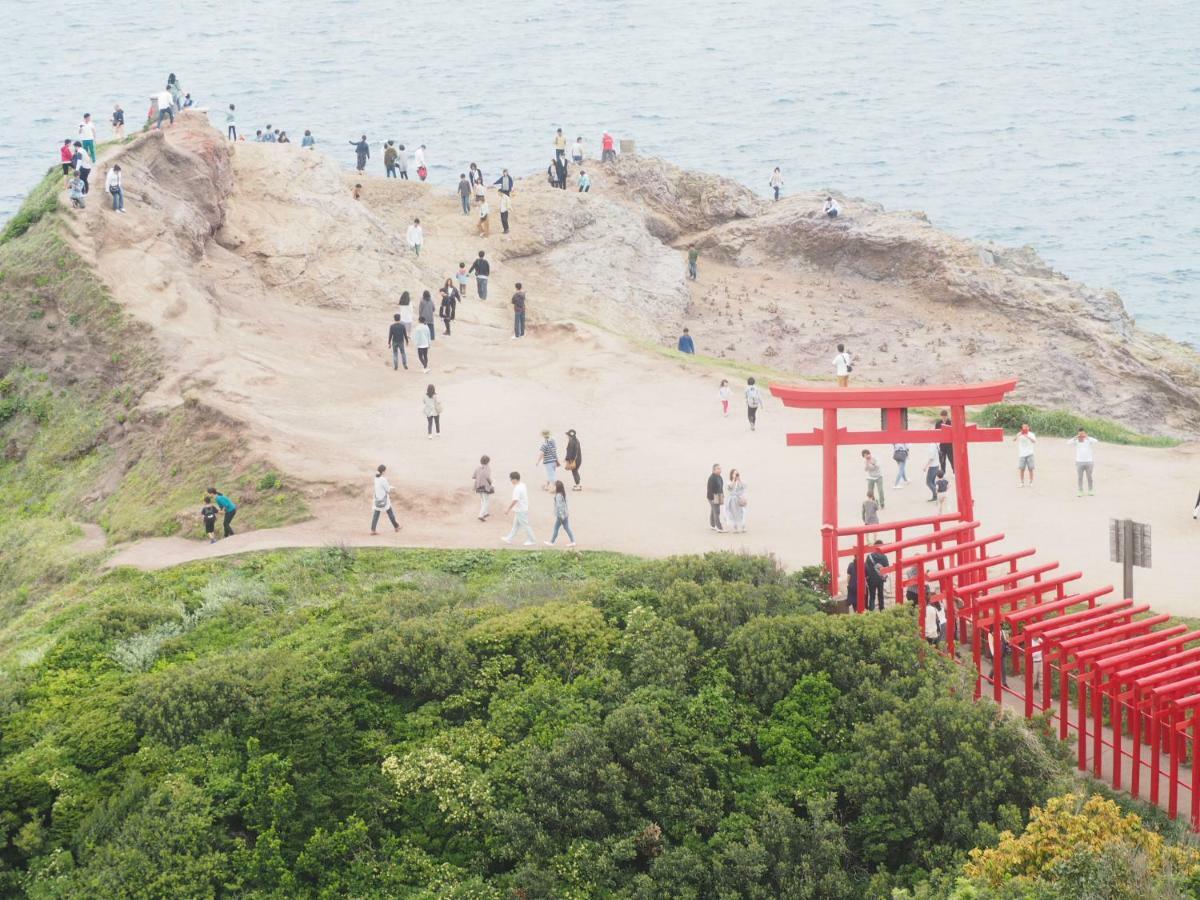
(574, 458)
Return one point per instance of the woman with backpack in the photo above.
(900, 455)
(433, 411)
(484, 487)
(735, 501)
(754, 401)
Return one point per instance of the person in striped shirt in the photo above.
(548, 458)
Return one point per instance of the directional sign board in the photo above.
(1138, 537)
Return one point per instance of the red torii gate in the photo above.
(893, 403)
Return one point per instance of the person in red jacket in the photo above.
(65, 156)
(607, 154)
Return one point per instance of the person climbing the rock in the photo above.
(362, 151)
(693, 257)
(1085, 459)
(573, 459)
(1025, 440)
(397, 338)
(433, 411)
(381, 501)
(585, 183)
(776, 182)
(425, 313)
(87, 134)
(208, 515)
(754, 402)
(484, 487)
(449, 304)
(481, 269)
(518, 305)
(519, 509)
(842, 366)
(228, 507)
(416, 236)
(686, 344)
(464, 193)
(831, 209)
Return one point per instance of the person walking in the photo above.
(693, 257)
(485, 224)
(166, 108)
(118, 122)
(208, 515)
(389, 160)
(421, 341)
(842, 366)
(874, 477)
(735, 502)
(484, 487)
(425, 313)
(406, 312)
(433, 411)
(776, 182)
(84, 168)
(932, 467)
(686, 344)
(228, 507)
(561, 519)
(870, 510)
(87, 134)
(1026, 440)
(945, 448)
(460, 280)
(116, 189)
(397, 338)
(943, 491)
(449, 303)
(464, 192)
(900, 458)
(505, 206)
(362, 152)
(519, 509)
(548, 459)
(518, 304)
(723, 394)
(1085, 459)
(416, 236)
(573, 459)
(754, 402)
(231, 122)
(504, 182)
(716, 498)
(481, 269)
(402, 162)
(381, 501)
(876, 561)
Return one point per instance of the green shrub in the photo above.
(1060, 423)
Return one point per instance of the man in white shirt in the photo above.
(520, 511)
(166, 107)
(831, 208)
(1085, 459)
(416, 236)
(842, 366)
(87, 135)
(1025, 440)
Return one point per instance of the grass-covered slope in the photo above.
(421, 723)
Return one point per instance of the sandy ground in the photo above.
(295, 348)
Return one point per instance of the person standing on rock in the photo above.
(1026, 440)
(422, 340)
(560, 146)
(425, 313)
(449, 304)
(776, 182)
(736, 502)
(84, 168)
(402, 162)
(504, 182)
(460, 279)
(560, 171)
(874, 476)
(548, 459)
(66, 157)
(842, 366)
(573, 460)
(362, 150)
(946, 448)
(308, 142)
(381, 501)
(686, 344)
(1085, 459)
(754, 402)
(900, 457)
(389, 160)
(87, 134)
(716, 497)
(231, 122)
(419, 159)
(166, 108)
(577, 151)
(228, 507)
(116, 189)
(518, 305)
(118, 122)
(693, 258)
(484, 487)
(397, 338)
(481, 269)
(485, 222)
(607, 153)
(464, 193)
(476, 178)
(416, 236)
(519, 509)
(433, 411)
(561, 516)
(505, 205)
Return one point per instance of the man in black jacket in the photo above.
(397, 337)
(716, 497)
(876, 560)
(481, 269)
(504, 182)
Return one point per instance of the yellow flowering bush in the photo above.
(1067, 827)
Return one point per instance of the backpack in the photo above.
(900, 454)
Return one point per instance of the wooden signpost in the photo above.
(1129, 544)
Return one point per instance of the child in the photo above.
(723, 392)
(870, 510)
(943, 487)
(209, 514)
(357, 192)
(75, 191)
(461, 278)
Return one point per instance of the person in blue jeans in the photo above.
(227, 506)
(561, 516)
(518, 302)
(397, 338)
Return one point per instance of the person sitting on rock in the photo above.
(831, 209)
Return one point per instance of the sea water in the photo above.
(1071, 127)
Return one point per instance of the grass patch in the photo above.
(39, 203)
(1060, 423)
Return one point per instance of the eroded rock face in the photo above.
(680, 201)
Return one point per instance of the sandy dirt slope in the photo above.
(271, 290)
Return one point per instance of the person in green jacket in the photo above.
(227, 506)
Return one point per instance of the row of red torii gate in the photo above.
(1124, 681)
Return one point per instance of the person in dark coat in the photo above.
(876, 560)
(362, 152)
(574, 458)
(425, 312)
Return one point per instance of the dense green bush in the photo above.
(1064, 424)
